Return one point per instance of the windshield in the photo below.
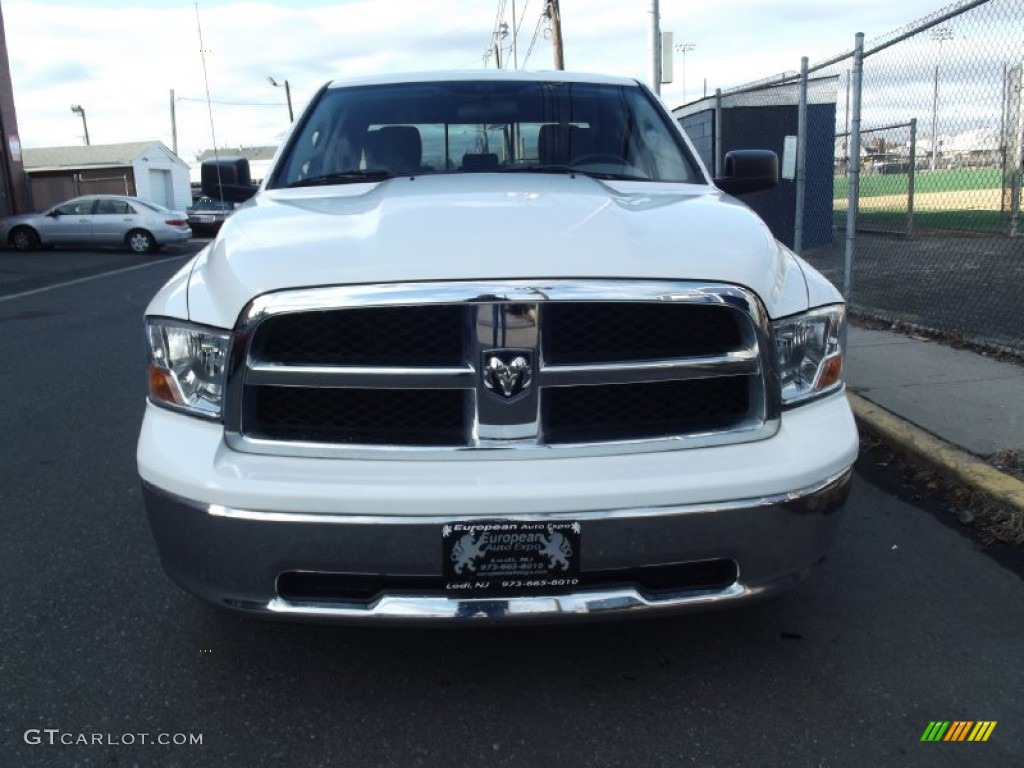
(152, 206)
(374, 132)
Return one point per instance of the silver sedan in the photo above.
(138, 224)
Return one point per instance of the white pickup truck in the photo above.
(493, 346)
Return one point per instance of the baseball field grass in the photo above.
(952, 180)
(960, 199)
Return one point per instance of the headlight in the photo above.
(811, 346)
(187, 366)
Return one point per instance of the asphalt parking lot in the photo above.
(22, 272)
(908, 622)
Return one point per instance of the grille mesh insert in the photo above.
(596, 332)
(419, 335)
(428, 417)
(637, 411)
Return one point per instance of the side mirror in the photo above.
(749, 170)
(55, 214)
(227, 179)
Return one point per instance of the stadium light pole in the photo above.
(685, 48)
(78, 110)
(287, 93)
(941, 34)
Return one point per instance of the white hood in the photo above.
(489, 226)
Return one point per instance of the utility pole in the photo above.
(555, 17)
(515, 31)
(654, 46)
(502, 34)
(174, 126)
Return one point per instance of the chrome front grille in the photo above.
(444, 368)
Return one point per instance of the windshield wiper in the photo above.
(344, 177)
(540, 169)
(573, 170)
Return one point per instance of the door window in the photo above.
(76, 208)
(115, 207)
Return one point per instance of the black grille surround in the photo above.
(648, 365)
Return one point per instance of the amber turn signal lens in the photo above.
(160, 386)
(831, 372)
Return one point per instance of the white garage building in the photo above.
(145, 169)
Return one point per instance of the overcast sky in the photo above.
(119, 60)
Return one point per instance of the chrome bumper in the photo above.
(232, 557)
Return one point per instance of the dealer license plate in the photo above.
(510, 557)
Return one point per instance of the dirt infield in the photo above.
(956, 200)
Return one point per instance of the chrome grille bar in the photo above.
(740, 363)
(271, 374)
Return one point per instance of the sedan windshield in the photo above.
(371, 133)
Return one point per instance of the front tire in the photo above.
(140, 241)
(24, 239)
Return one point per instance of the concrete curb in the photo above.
(940, 455)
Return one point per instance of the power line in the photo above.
(498, 17)
(521, 17)
(209, 106)
(536, 33)
(429, 40)
(230, 103)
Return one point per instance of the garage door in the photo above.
(159, 181)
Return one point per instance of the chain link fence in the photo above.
(906, 186)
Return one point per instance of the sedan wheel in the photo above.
(140, 241)
(23, 239)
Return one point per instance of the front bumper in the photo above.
(233, 558)
(228, 525)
